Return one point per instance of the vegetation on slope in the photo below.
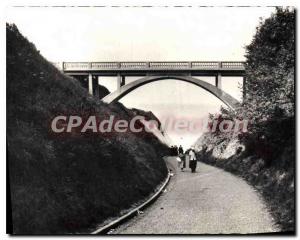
(70, 183)
(268, 161)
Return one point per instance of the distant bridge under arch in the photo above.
(88, 73)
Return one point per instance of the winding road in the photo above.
(210, 201)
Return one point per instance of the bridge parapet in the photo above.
(231, 65)
(169, 65)
(119, 66)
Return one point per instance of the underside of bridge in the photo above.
(124, 90)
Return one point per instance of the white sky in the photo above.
(141, 34)
(118, 34)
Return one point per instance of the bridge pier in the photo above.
(120, 81)
(219, 81)
(90, 84)
(95, 86)
(123, 81)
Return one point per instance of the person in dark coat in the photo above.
(175, 150)
(193, 160)
(182, 157)
(172, 150)
(180, 150)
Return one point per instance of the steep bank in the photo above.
(70, 183)
(264, 154)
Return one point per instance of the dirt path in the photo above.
(209, 201)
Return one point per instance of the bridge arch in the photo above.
(230, 101)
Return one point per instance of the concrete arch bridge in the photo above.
(88, 73)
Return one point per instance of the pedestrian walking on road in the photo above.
(187, 158)
(175, 150)
(193, 160)
(182, 157)
(180, 150)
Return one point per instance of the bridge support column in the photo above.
(90, 84)
(123, 81)
(120, 81)
(95, 86)
(219, 81)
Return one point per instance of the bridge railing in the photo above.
(169, 65)
(195, 65)
(134, 65)
(232, 65)
(206, 65)
(104, 65)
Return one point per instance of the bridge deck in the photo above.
(212, 66)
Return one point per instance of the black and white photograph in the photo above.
(150, 119)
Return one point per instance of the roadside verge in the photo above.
(104, 229)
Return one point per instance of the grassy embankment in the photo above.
(70, 183)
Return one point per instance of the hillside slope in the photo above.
(265, 153)
(70, 183)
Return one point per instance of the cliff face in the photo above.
(70, 183)
(220, 146)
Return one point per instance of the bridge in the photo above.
(88, 74)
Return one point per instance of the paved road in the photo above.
(210, 201)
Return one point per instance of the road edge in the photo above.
(105, 228)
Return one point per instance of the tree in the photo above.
(270, 69)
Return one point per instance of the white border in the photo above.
(6, 3)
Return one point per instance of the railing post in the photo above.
(220, 65)
(63, 67)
